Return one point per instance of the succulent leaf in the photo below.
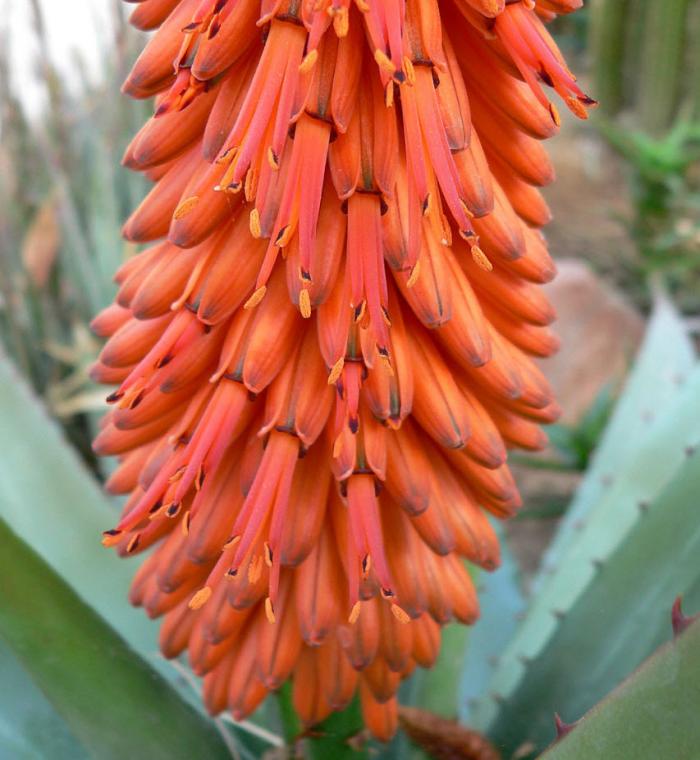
(114, 704)
(641, 476)
(666, 357)
(39, 469)
(622, 615)
(652, 714)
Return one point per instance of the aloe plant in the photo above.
(620, 618)
(664, 361)
(652, 714)
(56, 507)
(112, 702)
(626, 546)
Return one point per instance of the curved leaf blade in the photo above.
(614, 517)
(56, 506)
(654, 713)
(114, 703)
(623, 615)
(30, 728)
(666, 357)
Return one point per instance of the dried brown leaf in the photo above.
(42, 241)
(445, 739)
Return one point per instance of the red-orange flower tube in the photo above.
(323, 357)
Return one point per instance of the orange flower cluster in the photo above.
(324, 356)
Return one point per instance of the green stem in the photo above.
(291, 725)
(331, 738)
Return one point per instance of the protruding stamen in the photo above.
(400, 614)
(305, 303)
(413, 277)
(336, 371)
(186, 206)
(200, 598)
(111, 537)
(355, 613)
(273, 159)
(309, 62)
(255, 299)
(255, 228)
(481, 259)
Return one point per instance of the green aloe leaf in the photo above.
(652, 714)
(622, 616)
(115, 705)
(517, 702)
(665, 359)
(55, 505)
(502, 603)
(30, 728)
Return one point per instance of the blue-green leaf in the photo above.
(30, 728)
(665, 360)
(653, 714)
(115, 705)
(621, 617)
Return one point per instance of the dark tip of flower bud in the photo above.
(173, 509)
(164, 361)
(155, 507)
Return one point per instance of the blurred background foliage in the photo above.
(556, 640)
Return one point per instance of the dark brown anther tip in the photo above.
(155, 507)
(164, 361)
(280, 235)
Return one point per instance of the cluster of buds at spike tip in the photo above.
(326, 349)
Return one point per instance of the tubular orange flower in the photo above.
(321, 364)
